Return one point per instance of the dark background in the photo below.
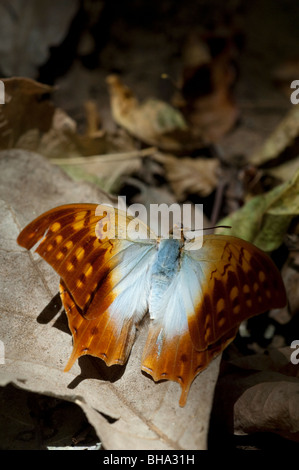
(142, 39)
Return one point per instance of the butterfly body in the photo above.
(163, 271)
(196, 299)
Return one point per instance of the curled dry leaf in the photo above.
(189, 175)
(153, 121)
(269, 407)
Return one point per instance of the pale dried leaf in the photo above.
(189, 175)
(153, 121)
(285, 171)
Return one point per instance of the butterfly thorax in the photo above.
(168, 258)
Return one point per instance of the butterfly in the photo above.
(196, 299)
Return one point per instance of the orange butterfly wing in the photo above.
(217, 287)
(98, 336)
(238, 281)
(94, 273)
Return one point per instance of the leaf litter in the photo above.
(157, 152)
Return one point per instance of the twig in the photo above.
(105, 158)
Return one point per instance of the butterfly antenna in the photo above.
(217, 226)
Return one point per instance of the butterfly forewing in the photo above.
(67, 236)
(104, 282)
(237, 281)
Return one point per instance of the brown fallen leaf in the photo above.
(153, 121)
(260, 394)
(26, 107)
(127, 409)
(189, 175)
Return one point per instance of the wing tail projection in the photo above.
(176, 358)
(104, 337)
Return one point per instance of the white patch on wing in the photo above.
(131, 280)
(177, 302)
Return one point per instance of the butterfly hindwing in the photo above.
(100, 336)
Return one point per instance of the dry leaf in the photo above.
(270, 406)
(260, 394)
(265, 219)
(189, 175)
(284, 171)
(93, 118)
(26, 108)
(59, 141)
(144, 414)
(31, 122)
(153, 121)
(108, 173)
